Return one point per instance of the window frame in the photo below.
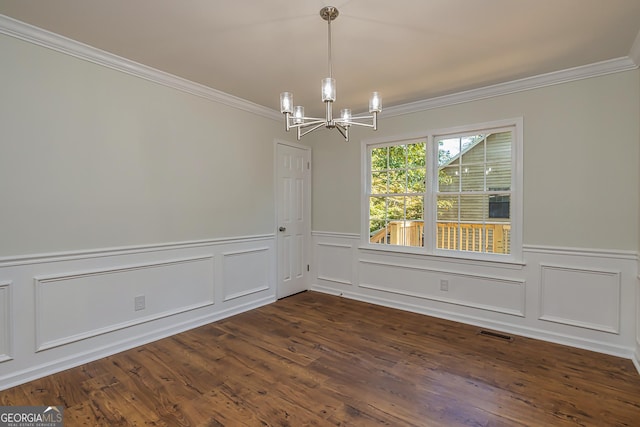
(430, 197)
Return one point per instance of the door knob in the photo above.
(282, 229)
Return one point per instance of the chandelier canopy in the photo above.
(294, 116)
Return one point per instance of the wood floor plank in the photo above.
(320, 360)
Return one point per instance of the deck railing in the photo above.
(492, 238)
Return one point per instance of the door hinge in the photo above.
(308, 267)
(308, 165)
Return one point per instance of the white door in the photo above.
(293, 202)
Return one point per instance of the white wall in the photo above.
(580, 157)
(577, 284)
(113, 187)
(94, 158)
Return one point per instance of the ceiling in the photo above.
(408, 50)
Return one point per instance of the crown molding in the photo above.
(47, 39)
(29, 33)
(535, 82)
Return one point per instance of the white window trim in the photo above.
(430, 198)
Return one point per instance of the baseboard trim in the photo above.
(636, 361)
(577, 342)
(40, 371)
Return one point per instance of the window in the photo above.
(451, 192)
(396, 197)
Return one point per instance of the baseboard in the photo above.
(55, 366)
(571, 341)
(636, 361)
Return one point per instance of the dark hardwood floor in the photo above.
(315, 359)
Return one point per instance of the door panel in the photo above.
(293, 205)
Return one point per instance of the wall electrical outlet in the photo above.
(139, 303)
(444, 285)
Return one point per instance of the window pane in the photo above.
(379, 183)
(467, 142)
(447, 208)
(417, 180)
(397, 182)
(447, 235)
(473, 208)
(448, 149)
(449, 179)
(499, 238)
(378, 233)
(395, 208)
(416, 155)
(377, 207)
(473, 149)
(498, 176)
(472, 178)
(499, 208)
(397, 157)
(415, 208)
(379, 159)
(499, 147)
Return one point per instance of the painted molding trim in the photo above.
(519, 313)
(39, 371)
(245, 293)
(582, 252)
(335, 235)
(125, 250)
(334, 279)
(41, 281)
(38, 36)
(517, 282)
(444, 271)
(615, 276)
(521, 85)
(526, 331)
(261, 288)
(6, 322)
(29, 33)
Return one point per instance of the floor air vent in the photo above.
(497, 335)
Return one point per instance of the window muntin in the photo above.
(474, 169)
(472, 200)
(397, 187)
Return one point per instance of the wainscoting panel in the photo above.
(62, 310)
(248, 271)
(79, 305)
(477, 291)
(5, 321)
(561, 297)
(334, 262)
(584, 298)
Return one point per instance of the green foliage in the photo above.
(397, 183)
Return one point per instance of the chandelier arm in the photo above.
(350, 123)
(314, 121)
(312, 129)
(343, 130)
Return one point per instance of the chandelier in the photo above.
(294, 116)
